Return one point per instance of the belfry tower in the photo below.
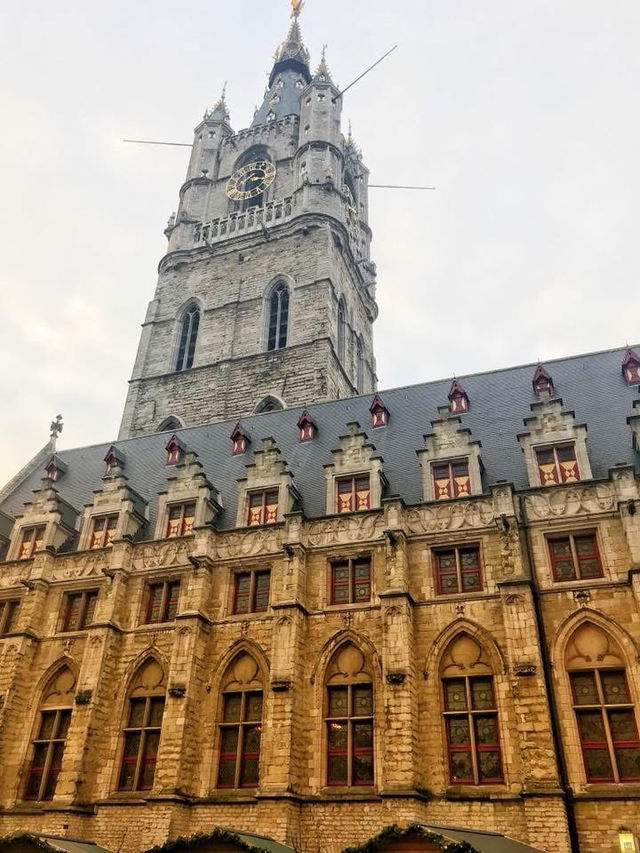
(266, 296)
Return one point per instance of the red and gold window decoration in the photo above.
(141, 741)
(306, 427)
(162, 601)
(174, 450)
(240, 736)
(607, 725)
(251, 591)
(354, 493)
(180, 519)
(472, 734)
(262, 507)
(349, 724)
(79, 609)
(32, 541)
(557, 465)
(631, 368)
(103, 531)
(575, 556)
(458, 399)
(451, 479)
(48, 751)
(351, 581)
(239, 440)
(458, 570)
(8, 612)
(379, 413)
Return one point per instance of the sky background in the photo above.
(523, 115)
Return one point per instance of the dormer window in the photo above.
(354, 493)
(557, 465)
(110, 462)
(32, 540)
(239, 440)
(174, 450)
(181, 519)
(379, 413)
(54, 469)
(262, 507)
(451, 479)
(631, 368)
(103, 531)
(306, 427)
(542, 382)
(458, 399)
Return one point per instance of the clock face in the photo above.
(251, 180)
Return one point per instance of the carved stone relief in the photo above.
(571, 501)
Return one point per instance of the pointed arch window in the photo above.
(359, 365)
(241, 724)
(48, 745)
(604, 709)
(342, 329)
(349, 719)
(470, 715)
(188, 337)
(142, 728)
(278, 317)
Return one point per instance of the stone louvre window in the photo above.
(268, 492)
(450, 461)
(355, 479)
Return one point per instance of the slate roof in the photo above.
(590, 385)
(50, 843)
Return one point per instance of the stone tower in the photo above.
(266, 296)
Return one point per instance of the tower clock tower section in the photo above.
(266, 296)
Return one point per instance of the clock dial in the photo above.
(251, 180)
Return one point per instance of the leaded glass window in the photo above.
(278, 317)
(557, 465)
(251, 592)
(79, 609)
(350, 734)
(458, 570)
(141, 741)
(8, 611)
(451, 479)
(471, 724)
(575, 556)
(188, 338)
(48, 751)
(162, 601)
(351, 581)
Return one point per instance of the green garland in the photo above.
(225, 835)
(20, 837)
(393, 833)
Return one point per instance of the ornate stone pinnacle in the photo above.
(56, 427)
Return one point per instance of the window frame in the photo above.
(439, 551)
(554, 448)
(252, 593)
(187, 338)
(8, 611)
(454, 488)
(184, 528)
(50, 743)
(351, 720)
(144, 730)
(31, 529)
(279, 304)
(88, 601)
(242, 726)
(264, 493)
(110, 521)
(351, 563)
(165, 602)
(575, 557)
(353, 478)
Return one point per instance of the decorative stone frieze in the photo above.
(355, 456)
(549, 426)
(450, 442)
(569, 501)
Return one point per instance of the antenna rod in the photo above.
(154, 142)
(397, 187)
(346, 89)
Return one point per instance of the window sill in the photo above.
(609, 790)
(241, 617)
(345, 793)
(480, 792)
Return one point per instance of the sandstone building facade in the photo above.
(285, 604)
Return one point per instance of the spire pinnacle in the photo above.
(323, 72)
(221, 110)
(296, 8)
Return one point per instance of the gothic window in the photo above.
(241, 724)
(349, 719)
(162, 601)
(180, 519)
(262, 507)
(48, 745)
(458, 570)
(278, 317)
(351, 581)
(103, 531)
(170, 425)
(603, 706)
(251, 591)
(8, 612)
(557, 464)
(188, 337)
(342, 330)
(470, 715)
(354, 493)
(32, 539)
(359, 365)
(575, 556)
(269, 404)
(78, 609)
(143, 725)
(451, 479)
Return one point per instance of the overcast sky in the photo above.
(523, 114)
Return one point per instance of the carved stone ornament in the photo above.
(575, 500)
(352, 528)
(514, 598)
(78, 566)
(396, 677)
(450, 516)
(10, 575)
(83, 697)
(177, 691)
(525, 670)
(161, 554)
(248, 543)
(582, 597)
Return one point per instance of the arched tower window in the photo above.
(349, 719)
(603, 705)
(470, 714)
(342, 326)
(188, 337)
(241, 724)
(359, 365)
(278, 317)
(49, 743)
(170, 424)
(143, 724)
(269, 404)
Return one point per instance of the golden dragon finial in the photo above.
(296, 7)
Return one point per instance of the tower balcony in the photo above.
(243, 222)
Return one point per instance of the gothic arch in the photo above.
(188, 319)
(171, 424)
(333, 644)
(277, 307)
(256, 152)
(149, 654)
(477, 633)
(243, 646)
(270, 403)
(342, 329)
(50, 673)
(570, 625)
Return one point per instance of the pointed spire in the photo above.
(323, 74)
(292, 48)
(220, 112)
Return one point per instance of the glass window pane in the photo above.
(74, 604)
(623, 726)
(151, 746)
(363, 735)
(585, 691)
(173, 595)
(449, 583)
(566, 453)
(362, 701)
(590, 568)
(489, 766)
(253, 706)
(338, 702)
(628, 760)
(455, 695)
(229, 740)
(147, 774)
(482, 694)
(458, 730)
(249, 773)
(447, 561)
(585, 545)
(131, 745)
(461, 767)
(136, 713)
(561, 547)
(156, 711)
(486, 730)
(337, 770)
(46, 725)
(155, 602)
(469, 559)
(232, 707)
(591, 726)
(564, 570)
(32, 790)
(614, 687)
(64, 719)
(363, 769)
(471, 582)
(598, 764)
(92, 600)
(338, 736)
(227, 773)
(252, 736)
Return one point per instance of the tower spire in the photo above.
(221, 109)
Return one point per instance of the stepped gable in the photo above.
(592, 388)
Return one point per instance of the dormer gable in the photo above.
(450, 461)
(175, 451)
(379, 412)
(189, 498)
(458, 399)
(268, 492)
(117, 511)
(55, 468)
(355, 479)
(239, 440)
(306, 427)
(631, 368)
(48, 521)
(542, 383)
(114, 458)
(554, 446)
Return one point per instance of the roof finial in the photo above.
(56, 428)
(296, 8)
